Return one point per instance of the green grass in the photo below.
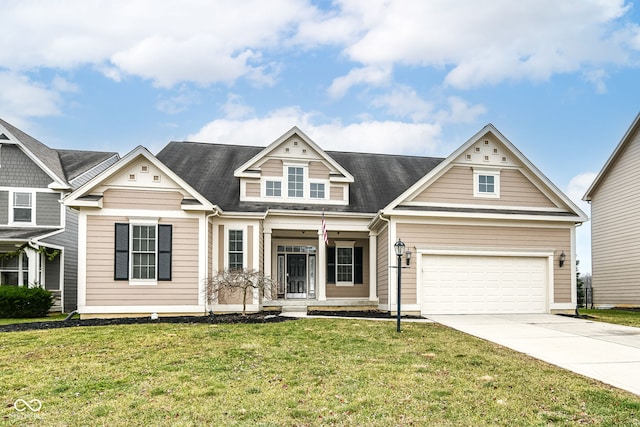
(311, 372)
(49, 318)
(620, 317)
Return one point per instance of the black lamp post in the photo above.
(399, 248)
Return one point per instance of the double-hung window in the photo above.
(22, 207)
(295, 181)
(236, 253)
(143, 252)
(345, 264)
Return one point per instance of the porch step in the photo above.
(294, 311)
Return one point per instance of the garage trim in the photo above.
(499, 252)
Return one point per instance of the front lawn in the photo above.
(49, 318)
(620, 317)
(307, 372)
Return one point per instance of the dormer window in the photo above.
(273, 189)
(295, 182)
(317, 190)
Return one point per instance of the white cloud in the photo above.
(368, 136)
(20, 97)
(373, 75)
(179, 102)
(579, 185)
(489, 42)
(167, 42)
(235, 108)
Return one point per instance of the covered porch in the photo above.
(308, 271)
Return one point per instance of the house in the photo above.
(489, 233)
(615, 233)
(38, 235)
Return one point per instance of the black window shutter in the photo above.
(121, 265)
(164, 252)
(357, 266)
(331, 264)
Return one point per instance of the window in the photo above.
(296, 182)
(235, 250)
(345, 265)
(486, 184)
(274, 189)
(11, 268)
(22, 207)
(143, 252)
(317, 191)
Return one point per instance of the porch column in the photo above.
(373, 268)
(322, 268)
(267, 261)
(33, 266)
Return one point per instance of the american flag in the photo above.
(324, 230)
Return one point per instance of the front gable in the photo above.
(138, 181)
(293, 169)
(486, 174)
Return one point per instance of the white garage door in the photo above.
(454, 284)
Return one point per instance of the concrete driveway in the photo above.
(605, 352)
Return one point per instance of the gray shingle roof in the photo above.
(208, 168)
(65, 164)
(76, 162)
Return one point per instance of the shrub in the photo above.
(20, 302)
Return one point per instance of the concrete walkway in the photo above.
(605, 352)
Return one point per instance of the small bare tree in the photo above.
(233, 281)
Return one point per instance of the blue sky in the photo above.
(558, 79)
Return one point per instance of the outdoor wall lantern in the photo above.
(562, 258)
(399, 248)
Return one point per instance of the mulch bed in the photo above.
(215, 319)
(262, 317)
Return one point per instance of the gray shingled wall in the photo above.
(4, 207)
(18, 170)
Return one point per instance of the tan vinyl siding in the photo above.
(221, 238)
(383, 263)
(491, 237)
(317, 170)
(336, 193)
(272, 167)
(250, 247)
(456, 186)
(253, 189)
(359, 290)
(615, 232)
(103, 290)
(152, 200)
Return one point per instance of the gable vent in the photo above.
(495, 151)
(504, 160)
(132, 177)
(468, 156)
(295, 143)
(5, 137)
(144, 168)
(286, 150)
(477, 149)
(304, 151)
(486, 142)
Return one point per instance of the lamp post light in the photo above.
(399, 248)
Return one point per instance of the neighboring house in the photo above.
(38, 235)
(615, 233)
(486, 228)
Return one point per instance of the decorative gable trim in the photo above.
(512, 157)
(90, 194)
(251, 167)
